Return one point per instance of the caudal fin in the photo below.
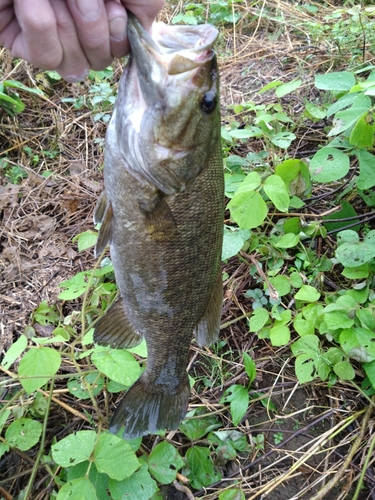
(146, 410)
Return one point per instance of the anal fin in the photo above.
(114, 328)
(207, 330)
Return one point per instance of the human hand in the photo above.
(71, 36)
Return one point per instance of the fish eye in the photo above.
(208, 102)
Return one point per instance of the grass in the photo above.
(297, 441)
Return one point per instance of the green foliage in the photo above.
(9, 98)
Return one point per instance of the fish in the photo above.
(162, 212)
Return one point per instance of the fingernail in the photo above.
(77, 78)
(117, 28)
(89, 9)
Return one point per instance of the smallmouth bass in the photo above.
(162, 213)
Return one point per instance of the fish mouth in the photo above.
(172, 51)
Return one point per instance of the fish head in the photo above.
(171, 114)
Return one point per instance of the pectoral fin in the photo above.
(207, 330)
(159, 219)
(114, 328)
(104, 236)
(101, 205)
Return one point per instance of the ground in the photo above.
(40, 216)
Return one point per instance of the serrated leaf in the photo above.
(14, 351)
(139, 486)
(276, 191)
(202, 469)
(329, 164)
(74, 448)
(78, 489)
(24, 433)
(119, 365)
(115, 457)
(41, 364)
(164, 462)
(248, 210)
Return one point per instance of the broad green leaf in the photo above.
(202, 469)
(87, 239)
(344, 102)
(98, 480)
(288, 240)
(347, 236)
(14, 351)
(329, 164)
(232, 243)
(24, 433)
(296, 279)
(293, 225)
(275, 189)
(344, 370)
(308, 344)
(346, 118)
(354, 255)
(251, 182)
(4, 448)
(315, 112)
(306, 367)
(282, 139)
(258, 319)
(115, 457)
(246, 133)
(358, 343)
(370, 372)
(362, 134)
(356, 273)
(78, 489)
(41, 363)
(74, 448)
(250, 367)
(302, 326)
(279, 335)
(338, 319)
(4, 414)
(75, 287)
(366, 178)
(307, 293)
(296, 175)
(195, 428)
(119, 365)
(248, 210)
(238, 397)
(366, 318)
(18, 85)
(347, 210)
(232, 494)
(270, 86)
(281, 284)
(287, 88)
(139, 486)
(164, 462)
(82, 387)
(337, 80)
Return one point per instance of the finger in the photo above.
(144, 10)
(6, 16)
(38, 41)
(74, 66)
(90, 17)
(117, 22)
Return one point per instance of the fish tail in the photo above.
(145, 409)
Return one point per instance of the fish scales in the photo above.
(162, 213)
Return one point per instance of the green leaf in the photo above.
(14, 351)
(98, 480)
(82, 387)
(346, 118)
(340, 80)
(87, 239)
(302, 326)
(358, 343)
(232, 494)
(250, 367)
(4, 448)
(195, 428)
(307, 293)
(115, 457)
(338, 319)
(24, 433)
(202, 469)
(329, 164)
(238, 397)
(347, 210)
(75, 287)
(279, 335)
(282, 139)
(370, 372)
(74, 448)
(4, 414)
(308, 344)
(78, 489)
(119, 365)
(232, 243)
(246, 133)
(139, 486)
(248, 210)
(251, 182)
(362, 134)
(258, 319)
(164, 462)
(306, 367)
(288, 240)
(270, 86)
(366, 178)
(41, 363)
(315, 112)
(296, 175)
(276, 191)
(287, 88)
(344, 370)
(355, 254)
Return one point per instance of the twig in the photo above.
(184, 489)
